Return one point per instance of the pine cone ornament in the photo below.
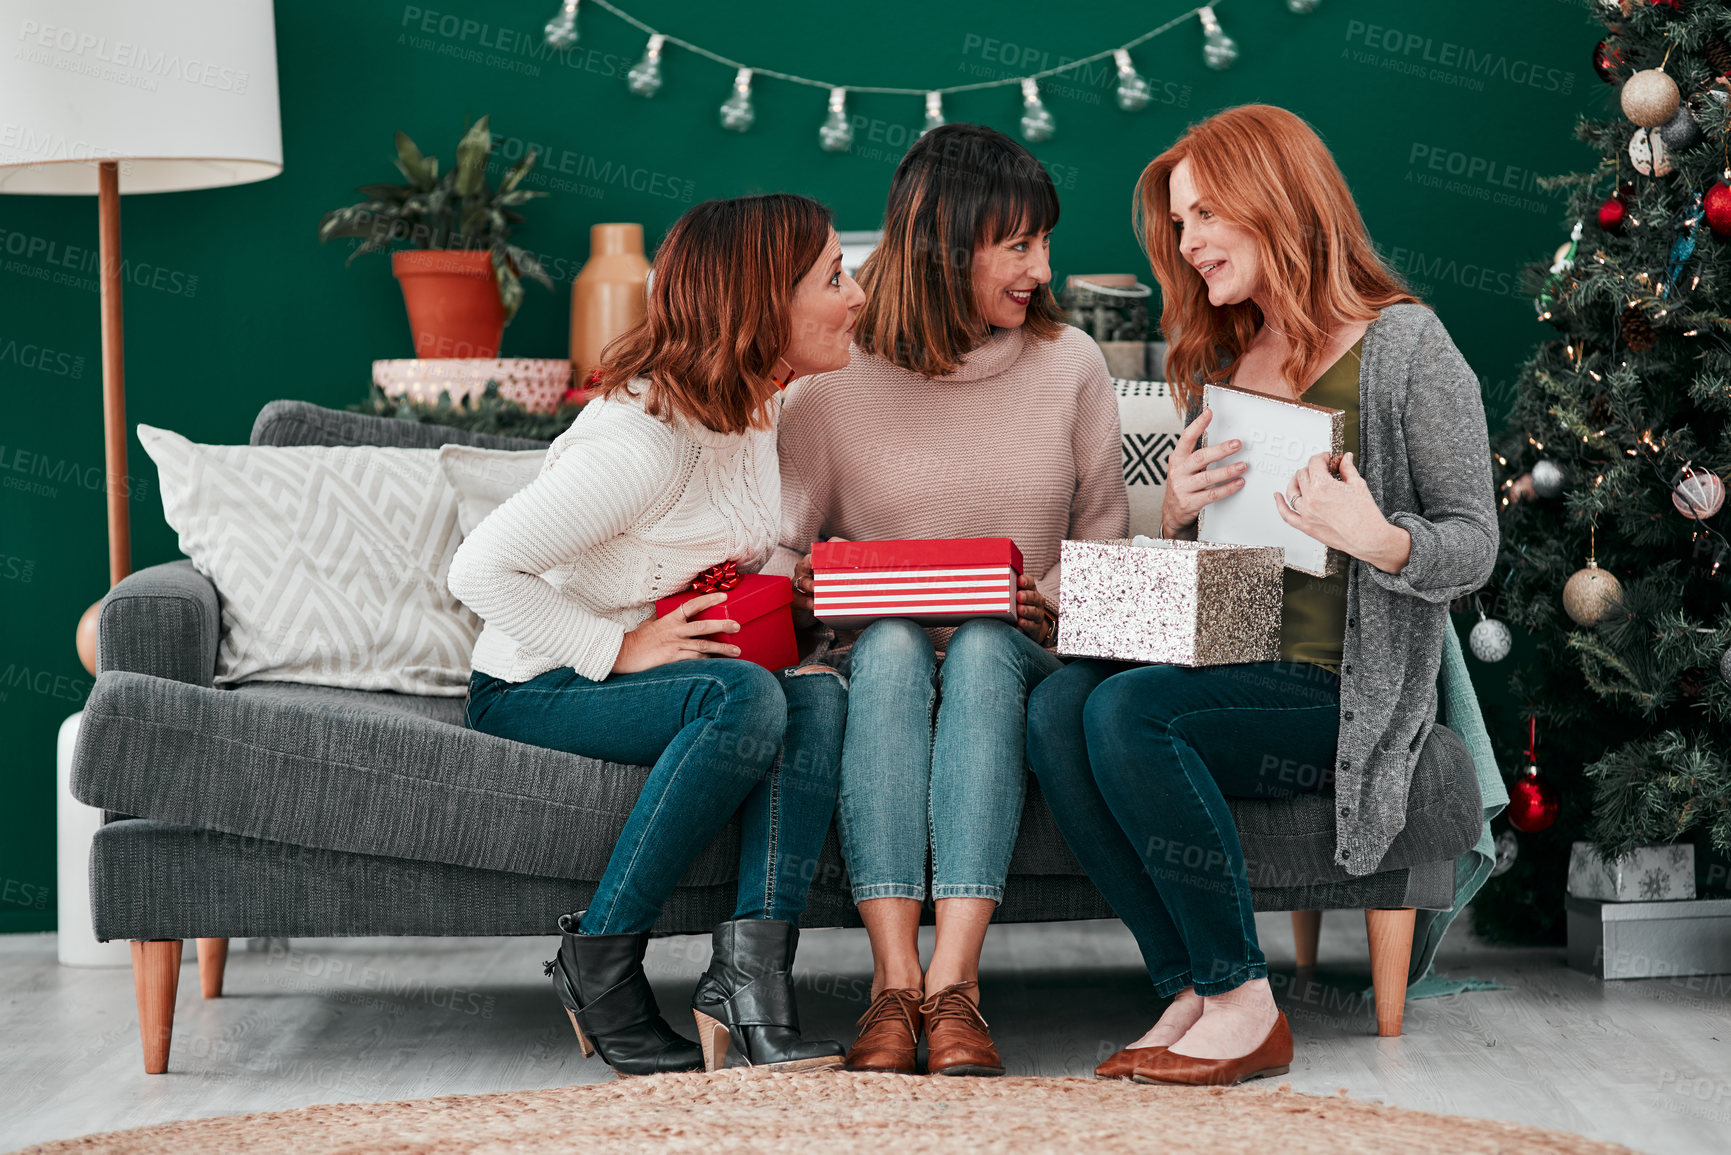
(1637, 330)
(1718, 54)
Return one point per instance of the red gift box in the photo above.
(940, 582)
(762, 605)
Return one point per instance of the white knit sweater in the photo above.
(627, 508)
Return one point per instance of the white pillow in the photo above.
(484, 478)
(1150, 425)
(330, 561)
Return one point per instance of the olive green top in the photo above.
(1313, 611)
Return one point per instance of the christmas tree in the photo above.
(1611, 468)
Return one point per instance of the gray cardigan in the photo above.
(1426, 457)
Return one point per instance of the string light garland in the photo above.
(836, 133)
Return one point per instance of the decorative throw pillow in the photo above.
(1150, 425)
(484, 478)
(330, 561)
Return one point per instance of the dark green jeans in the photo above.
(1136, 763)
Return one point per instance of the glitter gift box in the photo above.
(938, 582)
(1644, 874)
(1279, 438)
(763, 606)
(1182, 603)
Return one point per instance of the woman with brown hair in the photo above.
(671, 470)
(969, 410)
(1270, 281)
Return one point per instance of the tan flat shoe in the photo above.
(1121, 1064)
(1272, 1056)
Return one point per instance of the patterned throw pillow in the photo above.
(1150, 425)
(484, 478)
(330, 561)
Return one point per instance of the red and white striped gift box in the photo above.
(937, 582)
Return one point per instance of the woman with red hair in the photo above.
(1269, 281)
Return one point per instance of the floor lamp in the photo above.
(117, 97)
(134, 96)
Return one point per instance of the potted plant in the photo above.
(460, 275)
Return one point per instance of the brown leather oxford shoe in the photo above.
(956, 1039)
(889, 1034)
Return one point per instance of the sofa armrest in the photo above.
(164, 621)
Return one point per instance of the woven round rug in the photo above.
(756, 1111)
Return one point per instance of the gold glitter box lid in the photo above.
(1184, 603)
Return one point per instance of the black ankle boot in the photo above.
(744, 1001)
(600, 979)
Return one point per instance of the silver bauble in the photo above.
(1548, 479)
(1681, 131)
(1650, 97)
(1490, 640)
(1508, 849)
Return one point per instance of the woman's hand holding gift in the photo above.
(1339, 512)
(1032, 617)
(676, 636)
(1190, 484)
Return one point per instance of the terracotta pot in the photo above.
(609, 295)
(453, 300)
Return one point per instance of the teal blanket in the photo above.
(1460, 713)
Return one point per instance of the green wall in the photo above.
(1440, 114)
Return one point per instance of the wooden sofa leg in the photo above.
(1306, 931)
(212, 958)
(1390, 934)
(155, 978)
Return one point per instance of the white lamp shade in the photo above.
(182, 93)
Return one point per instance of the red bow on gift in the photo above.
(716, 579)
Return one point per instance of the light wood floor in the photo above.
(1643, 1063)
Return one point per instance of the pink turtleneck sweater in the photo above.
(1021, 441)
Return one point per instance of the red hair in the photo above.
(1265, 170)
(719, 312)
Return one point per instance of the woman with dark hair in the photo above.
(1270, 280)
(672, 469)
(969, 409)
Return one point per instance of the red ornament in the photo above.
(716, 579)
(1608, 62)
(1612, 214)
(1716, 204)
(1532, 802)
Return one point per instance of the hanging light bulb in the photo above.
(1301, 7)
(934, 112)
(836, 134)
(1132, 89)
(1218, 49)
(737, 113)
(561, 31)
(1037, 122)
(644, 79)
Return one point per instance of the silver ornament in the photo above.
(1508, 849)
(1490, 640)
(1681, 131)
(1548, 478)
(1725, 665)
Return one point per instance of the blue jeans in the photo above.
(954, 783)
(1136, 763)
(712, 729)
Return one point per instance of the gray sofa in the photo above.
(277, 809)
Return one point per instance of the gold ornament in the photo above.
(1591, 594)
(1650, 98)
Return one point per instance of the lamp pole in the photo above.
(113, 375)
